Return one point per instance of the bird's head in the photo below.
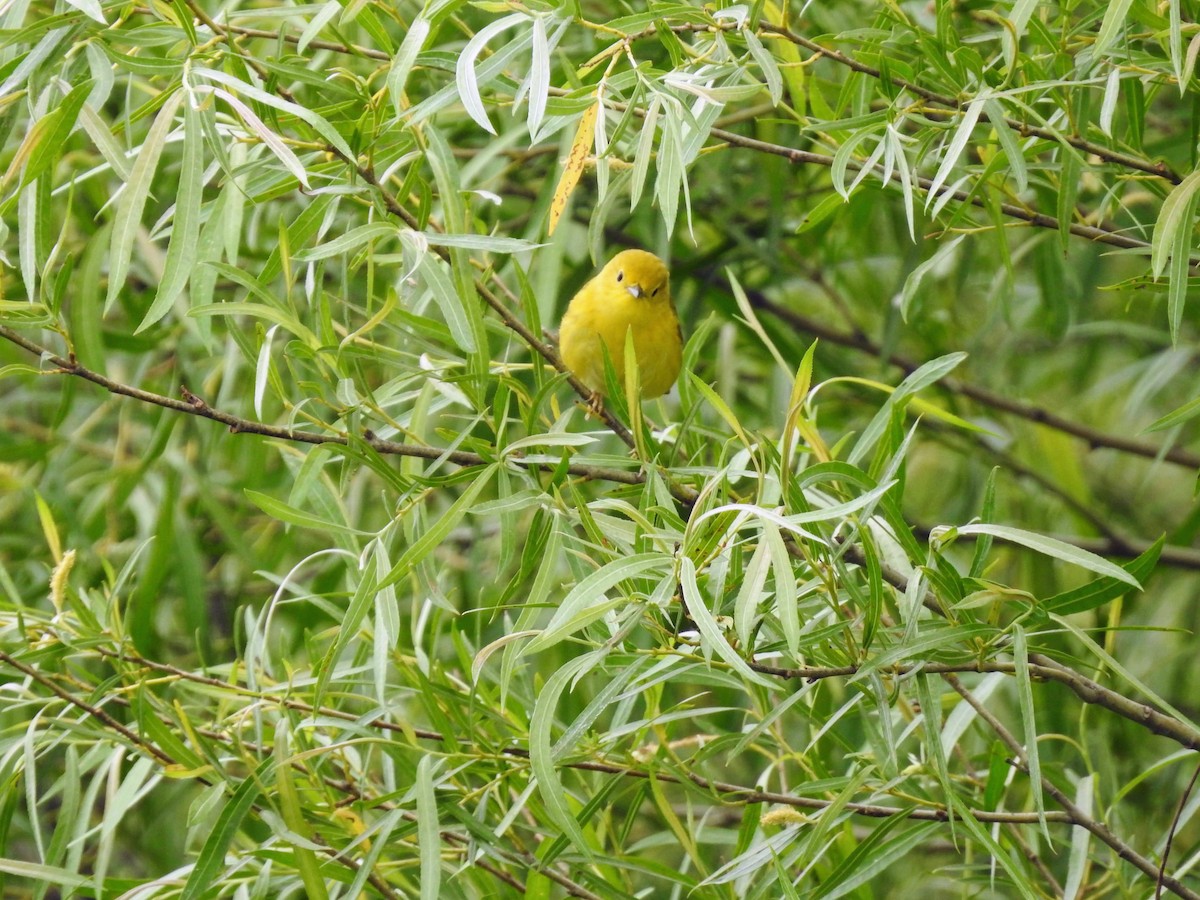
(642, 274)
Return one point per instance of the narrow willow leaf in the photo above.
(539, 78)
(490, 243)
(1175, 42)
(645, 150)
(206, 871)
(435, 277)
(1019, 17)
(964, 713)
(1008, 140)
(90, 8)
(1018, 877)
(33, 60)
(925, 645)
(319, 124)
(1173, 218)
(745, 605)
(842, 160)
(132, 202)
(262, 370)
(1028, 722)
(766, 62)
(1181, 261)
(29, 213)
(259, 311)
(541, 755)
(670, 166)
(711, 638)
(874, 854)
(491, 68)
(1189, 410)
(912, 283)
(465, 76)
(721, 407)
(830, 513)
(405, 58)
(348, 241)
(43, 145)
(1081, 839)
(904, 172)
(751, 319)
(1111, 26)
(1049, 546)
(1122, 671)
(185, 229)
(429, 838)
(1193, 50)
(1104, 590)
(786, 589)
(439, 530)
(323, 17)
(600, 151)
(958, 144)
(581, 149)
(97, 129)
(287, 797)
(273, 142)
(1112, 93)
(284, 513)
(927, 374)
(590, 592)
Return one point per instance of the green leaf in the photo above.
(132, 202)
(44, 146)
(319, 124)
(350, 240)
(229, 822)
(1111, 27)
(541, 755)
(438, 531)
(429, 838)
(711, 638)
(1029, 723)
(582, 606)
(1049, 546)
(185, 231)
(284, 513)
(1176, 215)
(1188, 411)
(1104, 590)
(405, 58)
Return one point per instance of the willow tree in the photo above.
(320, 579)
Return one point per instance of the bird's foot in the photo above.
(594, 405)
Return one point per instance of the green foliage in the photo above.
(318, 579)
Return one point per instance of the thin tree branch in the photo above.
(1162, 866)
(1078, 816)
(1012, 210)
(734, 792)
(195, 406)
(1093, 437)
(1160, 169)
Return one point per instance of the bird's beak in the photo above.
(636, 290)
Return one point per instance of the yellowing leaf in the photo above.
(581, 147)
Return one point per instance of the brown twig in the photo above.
(1078, 816)
(1093, 437)
(1162, 866)
(195, 406)
(732, 792)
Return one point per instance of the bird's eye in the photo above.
(620, 276)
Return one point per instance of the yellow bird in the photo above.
(630, 294)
